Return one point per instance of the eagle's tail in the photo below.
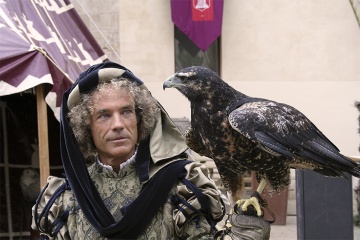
(355, 171)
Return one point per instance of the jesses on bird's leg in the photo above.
(245, 203)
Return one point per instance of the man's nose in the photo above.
(117, 123)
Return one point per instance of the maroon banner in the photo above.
(200, 20)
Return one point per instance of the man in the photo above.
(127, 176)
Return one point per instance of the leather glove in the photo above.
(244, 227)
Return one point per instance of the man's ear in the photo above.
(138, 112)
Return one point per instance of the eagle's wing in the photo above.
(282, 130)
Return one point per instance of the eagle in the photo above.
(242, 133)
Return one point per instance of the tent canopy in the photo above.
(43, 42)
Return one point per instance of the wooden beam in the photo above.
(42, 135)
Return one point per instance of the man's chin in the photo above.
(123, 151)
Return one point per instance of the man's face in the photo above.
(114, 127)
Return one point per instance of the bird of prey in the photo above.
(243, 133)
(30, 184)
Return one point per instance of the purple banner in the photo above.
(200, 20)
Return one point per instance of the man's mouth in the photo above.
(118, 139)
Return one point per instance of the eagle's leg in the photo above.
(245, 203)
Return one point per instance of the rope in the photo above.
(356, 9)
(97, 28)
(47, 56)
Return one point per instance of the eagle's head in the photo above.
(195, 82)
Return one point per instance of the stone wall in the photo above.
(102, 19)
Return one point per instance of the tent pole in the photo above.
(42, 135)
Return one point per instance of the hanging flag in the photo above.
(43, 42)
(200, 20)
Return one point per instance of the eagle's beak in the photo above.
(170, 82)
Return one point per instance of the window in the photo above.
(188, 54)
(19, 163)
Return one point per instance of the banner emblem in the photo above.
(202, 10)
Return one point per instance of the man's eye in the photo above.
(103, 116)
(127, 111)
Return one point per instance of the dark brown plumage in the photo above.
(243, 133)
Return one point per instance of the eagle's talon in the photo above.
(250, 206)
